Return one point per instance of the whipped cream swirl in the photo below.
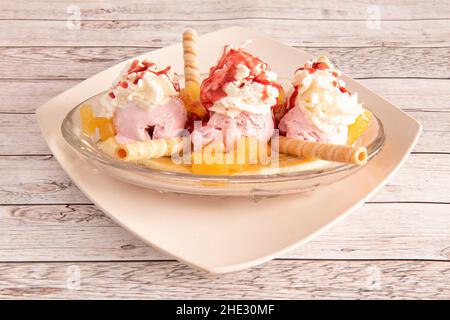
(244, 95)
(143, 84)
(323, 98)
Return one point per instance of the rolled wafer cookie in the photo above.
(190, 56)
(108, 146)
(323, 151)
(141, 150)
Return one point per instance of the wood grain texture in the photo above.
(217, 10)
(44, 217)
(84, 233)
(80, 63)
(332, 33)
(430, 95)
(25, 96)
(40, 180)
(30, 141)
(273, 280)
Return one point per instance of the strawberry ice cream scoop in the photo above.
(295, 125)
(229, 130)
(320, 108)
(137, 124)
(144, 103)
(239, 94)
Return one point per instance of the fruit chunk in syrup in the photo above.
(191, 98)
(249, 154)
(356, 129)
(89, 123)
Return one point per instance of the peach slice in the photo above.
(87, 115)
(89, 123)
(191, 98)
(249, 154)
(105, 127)
(357, 128)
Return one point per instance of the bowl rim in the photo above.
(92, 153)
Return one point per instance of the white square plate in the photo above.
(227, 234)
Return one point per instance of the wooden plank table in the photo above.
(55, 244)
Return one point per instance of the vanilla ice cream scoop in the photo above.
(320, 107)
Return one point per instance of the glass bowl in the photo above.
(309, 177)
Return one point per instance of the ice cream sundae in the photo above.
(239, 94)
(145, 113)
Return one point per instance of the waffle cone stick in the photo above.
(323, 151)
(142, 150)
(190, 56)
(108, 146)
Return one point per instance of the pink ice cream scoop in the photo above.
(295, 125)
(134, 123)
(229, 130)
(241, 70)
(320, 108)
(145, 103)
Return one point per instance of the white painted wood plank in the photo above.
(81, 63)
(37, 179)
(24, 96)
(210, 10)
(20, 134)
(313, 33)
(274, 280)
(83, 233)
(40, 180)
(422, 178)
(80, 232)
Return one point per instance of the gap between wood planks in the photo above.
(377, 62)
(395, 33)
(225, 19)
(272, 280)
